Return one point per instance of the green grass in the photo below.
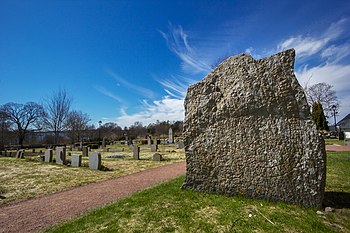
(22, 179)
(329, 141)
(167, 208)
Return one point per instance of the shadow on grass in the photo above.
(338, 200)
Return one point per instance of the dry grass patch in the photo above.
(25, 178)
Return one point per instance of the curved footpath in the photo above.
(36, 214)
(337, 148)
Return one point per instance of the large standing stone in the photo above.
(61, 155)
(171, 138)
(76, 160)
(248, 131)
(95, 161)
(48, 155)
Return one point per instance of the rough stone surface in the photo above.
(61, 155)
(95, 161)
(76, 160)
(248, 131)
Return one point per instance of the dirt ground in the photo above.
(38, 213)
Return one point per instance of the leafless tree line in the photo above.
(55, 115)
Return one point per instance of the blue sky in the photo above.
(127, 61)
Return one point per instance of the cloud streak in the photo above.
(177, 41)
(165, 109)
(122, 82)
(306, 46)
(107, 93)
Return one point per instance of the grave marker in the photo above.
(95, 161)
(48, 155)
(76, 160)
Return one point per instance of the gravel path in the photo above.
(337, 148)
(38, 213)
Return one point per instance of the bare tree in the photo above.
(22, 116)
(324, 94)
(57, 110)
(76, 123)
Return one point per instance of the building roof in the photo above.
(345, 122)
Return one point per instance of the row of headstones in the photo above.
(136, 154)
(94, 158)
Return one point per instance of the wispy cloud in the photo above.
(105, 92)
(176, 86)
(122, 82)
(165, 109)
(307, 46)
(177, 41)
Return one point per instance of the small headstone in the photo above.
(104, 143)
(136, 152)
(76, 160)
(41, 158)
(171, 138)
(154, 148)
(69, 154)
(95, 161)
(148, 140)
(33, 150)
(85, 151)
(328, 209)
(155, 142)
(20, 154)
(157, 157)
(40, 151)
(115, 156)
(48, 155)
(180, 145)
(89, 148)
(61, 155)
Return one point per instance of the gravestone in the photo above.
(154, 148)
(48, 155)
(41, 158)
(76, 160)
(155, 142)
(148, 140)
(20, 154)
(85, 151)
(95, 161)
(248, 131)
(180, 145)
(61, 155)
(103, 143)
(136, 152)
(33, 150)
(157, 157)
(171, 138)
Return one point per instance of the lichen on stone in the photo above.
(248, 131)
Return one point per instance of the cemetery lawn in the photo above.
(167, 208)
(22, 179)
